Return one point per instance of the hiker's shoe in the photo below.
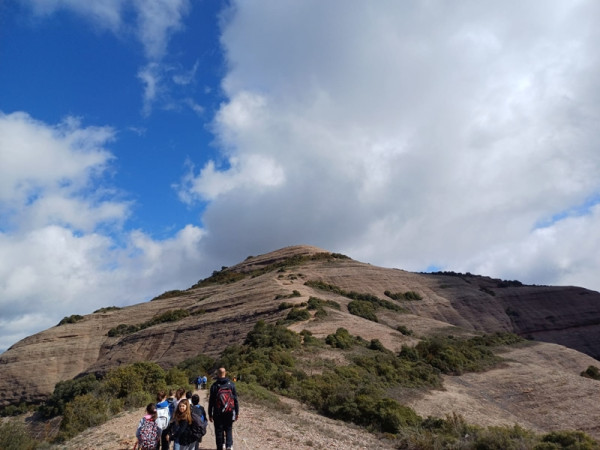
(229, 448)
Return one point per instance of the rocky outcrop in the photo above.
(224, 307)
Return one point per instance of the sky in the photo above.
(146, 143)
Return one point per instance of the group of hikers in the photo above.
(181, 419)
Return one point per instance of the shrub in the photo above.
(316, 303)
(107, 309)
(169, 316)
(591, 372)
(83, 412)
(575, 440)
(177, 377)
(71, 319)
(122, 329)
(197, 365)
(409, 295)
(224, 276)
(65, 391)
(297, 315)
(362, 309)
(267, 335)
(169, 294)
(14, 436)
(404, 330)
(142, 376)
(505, 438)
(341, 339)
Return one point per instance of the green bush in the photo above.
(107, 309)
(66, 391)
(505, 438)
(198, 365)
(177, 377)
(404, 330)
(297, 315)
(591, 372)
(572, 440)
(83, 412)
(316, 303)
(456, 356)
(71, 319)
(169, 316)
(14, 436)
(267, 335)
(409, 295)
(341, 339)
(142, 376)
(169, 294)
(363, 309)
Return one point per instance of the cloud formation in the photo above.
(412, 135)
(63, 249)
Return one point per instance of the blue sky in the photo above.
(145, 143)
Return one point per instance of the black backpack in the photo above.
(198, 427)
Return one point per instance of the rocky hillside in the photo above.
(539, 386)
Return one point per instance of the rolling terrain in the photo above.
(537, 386)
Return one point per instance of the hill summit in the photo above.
(539, 386)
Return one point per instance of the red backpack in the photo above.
(225, 400)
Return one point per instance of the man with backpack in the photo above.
(223, 408)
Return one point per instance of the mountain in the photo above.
(539, 386)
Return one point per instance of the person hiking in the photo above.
(199, 419)
(223, 409)
(179, 430)
(148, 432)
(163, 411)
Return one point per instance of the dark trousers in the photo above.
(164, 445)
(224, 428)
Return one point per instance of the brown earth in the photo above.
(538, 387)
(294, 429)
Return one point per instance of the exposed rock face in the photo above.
(226, 306)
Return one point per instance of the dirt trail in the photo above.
(257, 427)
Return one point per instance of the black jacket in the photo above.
(180, 432)
(212, 399)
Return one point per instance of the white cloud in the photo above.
(410, 135)
(63, 249)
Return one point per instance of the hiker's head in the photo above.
(151, 410)
(180, 393)
(183, 411)
(160, 396)
(188, 394)
(195, 399)
(221, 372)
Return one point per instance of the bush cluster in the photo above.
(170, 316)
(409, 295)
(87, 401)
(373, 299)
(169, 294)
(455, 356)
(107, 309)
(70, 319)
(591, 372)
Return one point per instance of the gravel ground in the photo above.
(257, 428)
